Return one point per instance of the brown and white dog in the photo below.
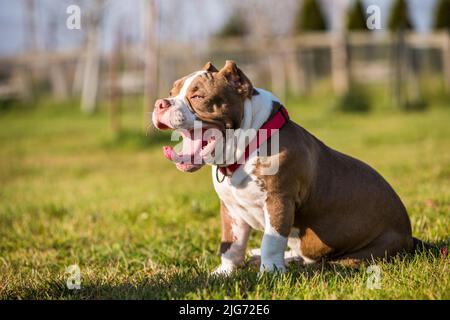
(320, 203)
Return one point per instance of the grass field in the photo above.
(70, 193)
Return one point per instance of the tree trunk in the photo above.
(60, 90)
(278, 75)
(446, 60)
(114, 86)
(295, 71)
(398, 63)
(31, 34)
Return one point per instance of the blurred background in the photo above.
(83, 179)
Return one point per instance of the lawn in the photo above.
(71, 193)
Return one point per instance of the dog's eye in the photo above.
(196, 96)
(170, 93)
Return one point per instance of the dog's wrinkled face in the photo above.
(211, 97)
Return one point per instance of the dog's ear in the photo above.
(237, 79)
(210, 67)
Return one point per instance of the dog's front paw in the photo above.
(272, 268)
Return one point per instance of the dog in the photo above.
(320, 203)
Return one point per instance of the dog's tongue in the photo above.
(192, 145)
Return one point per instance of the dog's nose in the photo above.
(161, 104)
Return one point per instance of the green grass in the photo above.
(70, 193)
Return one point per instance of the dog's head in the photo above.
(209, 97)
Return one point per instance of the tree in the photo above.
(399, 18)
(236, 26)
(357, 18)
(442, 15)
(309, 17)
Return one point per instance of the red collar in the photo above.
(276, 122)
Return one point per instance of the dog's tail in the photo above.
(420, 246)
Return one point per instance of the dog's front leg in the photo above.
(279, 218)
(235, 233)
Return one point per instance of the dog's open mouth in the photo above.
(196, 148)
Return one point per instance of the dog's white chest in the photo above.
(244, 201)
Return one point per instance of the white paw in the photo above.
(276, 271)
